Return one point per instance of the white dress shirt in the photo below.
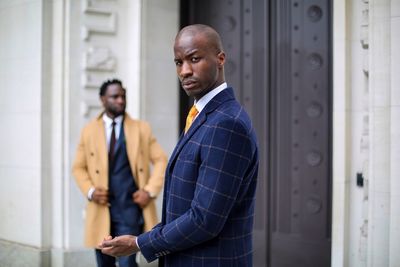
(108, 127)
(202, 102)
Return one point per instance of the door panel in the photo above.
(300, 129)
(278, 62)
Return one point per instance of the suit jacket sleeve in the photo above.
(226, 156)
(159, 161)
(80, 168)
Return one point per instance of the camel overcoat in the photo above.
(90, 168)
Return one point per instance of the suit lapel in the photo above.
(186, 137)
(214, 103)
(101, 143)
(132, 134)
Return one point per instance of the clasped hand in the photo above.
(140, 197)
(118, 246)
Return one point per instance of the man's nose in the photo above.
(185, 70)
(121, 100)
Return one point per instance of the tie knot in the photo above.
(192, 114)
(193, 111)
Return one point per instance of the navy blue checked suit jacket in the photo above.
(209, 192)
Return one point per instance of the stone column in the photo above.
(25, 198)
(395, 134)
(340, 135)
(380, 100)
(55, 54)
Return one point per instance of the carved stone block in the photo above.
(100, 59)
(104, 21)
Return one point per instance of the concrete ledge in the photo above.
(18, 255)
(73, 258)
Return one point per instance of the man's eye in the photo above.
(195, 59)
(178, 63)
(117, 96)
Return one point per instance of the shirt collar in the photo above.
(202, 102)
(108, 121)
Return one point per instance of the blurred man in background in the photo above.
(112, 169)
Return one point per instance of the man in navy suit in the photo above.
(211, 177)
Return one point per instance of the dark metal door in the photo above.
(279, 64)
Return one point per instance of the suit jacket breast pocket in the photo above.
(189, 154)
(186, 156)
(187, 165)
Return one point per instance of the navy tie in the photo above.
(112, 144)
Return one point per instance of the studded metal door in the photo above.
(301, 132)
(279, 64)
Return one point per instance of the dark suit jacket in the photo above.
(209, 192)
(121, 186)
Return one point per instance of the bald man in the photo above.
(210, 181)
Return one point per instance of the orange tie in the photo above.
(192, 114)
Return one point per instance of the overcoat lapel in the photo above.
(101, 143)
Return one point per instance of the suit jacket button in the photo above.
(92, 154)
(97, 171)
(141, 170)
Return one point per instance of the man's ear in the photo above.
(221, 59)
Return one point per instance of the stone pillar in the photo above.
(395, 134)
(340, 135)
(379, 166)
(24, 191)
(101, 41)
(364, 143)
(55, 54)
(159, 82)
